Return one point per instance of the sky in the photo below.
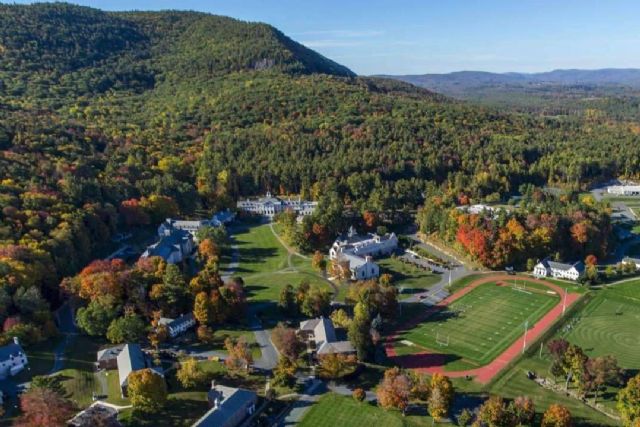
(439, 36)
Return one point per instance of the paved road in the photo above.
(269, 358)
(311, 394)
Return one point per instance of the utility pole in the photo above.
(540, 357)
(524, 342)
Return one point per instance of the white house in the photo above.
(173, 248)
(559, 270)
(321, 334)
(13, 359)
(624, 190)
(178, 326)
(270, 206)
(634, 261)
(130, 359)
(359, 250)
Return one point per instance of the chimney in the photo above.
(213, 384)
(16, 341)
(216, 403)
(368, 258)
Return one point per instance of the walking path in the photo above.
(428, 362)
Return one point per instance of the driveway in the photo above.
(269, 358)
(310, 395)
(438, 292)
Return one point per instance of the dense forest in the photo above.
(115, 119)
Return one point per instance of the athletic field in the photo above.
(610, 324)
(481, 324)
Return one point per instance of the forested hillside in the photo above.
(109, 119)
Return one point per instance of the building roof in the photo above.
(230, 400)
(130, 359)
(13, 349)
(631, 259)
(222, 217)
(96, 414)
(168, 244)
(110, 353)
(336, 347)
(579, 265)
(174, 323)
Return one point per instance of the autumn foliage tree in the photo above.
(336, 365)
(556, 416)
(287, 342)
(629, 402)
(43, 407)
(394, 390)
(239, 354)
(190, 374)
(441, 396)
(147, 390)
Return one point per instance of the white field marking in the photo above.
(406, 342)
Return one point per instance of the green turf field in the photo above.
(609, 325)
(333, 410)
(481, 324)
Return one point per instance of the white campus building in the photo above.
(13, 359)
(270, 206)
(559, 270)
(624, 190)
(360, 250)
(192, 226)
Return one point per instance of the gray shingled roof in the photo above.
(231, 400)
(109, 353)
(130, 359)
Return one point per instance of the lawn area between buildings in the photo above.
(334, 410)
(408, 278)
(480, 325)
(266, 266)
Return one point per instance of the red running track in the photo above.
(430, 363)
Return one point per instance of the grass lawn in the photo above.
(260, 251)
(225, 331)
(481, 324)
(609, 325)
(78, 375)
(40, 357)
(333, 410)
(264, 264)
(408, 278)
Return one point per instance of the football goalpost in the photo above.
(520, 287)
(441, 340)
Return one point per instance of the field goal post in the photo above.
(520, 287)
(441, 341)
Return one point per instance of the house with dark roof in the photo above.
(13, 359)
(132, 359)
(321, 337)
(173, 247)
(178, 326)
(559, 270)
(98, 414)
(230, 406)
(107, 358)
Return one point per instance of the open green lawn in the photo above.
(260, 251)
(610, 325)
(514, 383)
(481, 324)
(264, 264)
(408, 278)
(78, 375)
(333, 410)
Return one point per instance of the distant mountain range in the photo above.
(457, 83)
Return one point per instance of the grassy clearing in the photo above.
(407, 277)
(335, 410)
(260, 251)
(609, 325)
(481, 324)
